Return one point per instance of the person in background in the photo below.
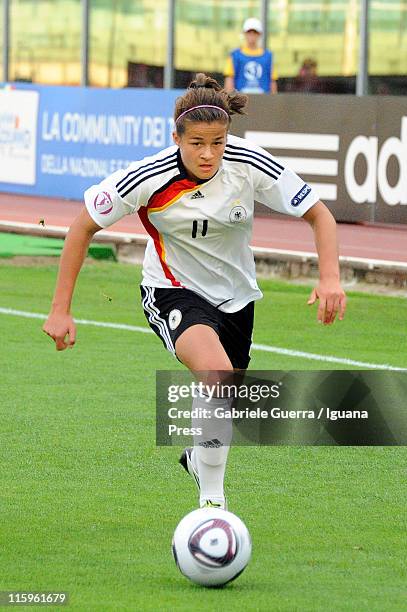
(250, 69)
(307, 80)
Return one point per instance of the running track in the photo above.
(356, 240)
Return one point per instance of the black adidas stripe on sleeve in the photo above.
(138, 172)
(123, 192)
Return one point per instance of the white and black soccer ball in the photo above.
(211, 547)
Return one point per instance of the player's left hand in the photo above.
(332, 301)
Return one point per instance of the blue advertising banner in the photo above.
(57, 141)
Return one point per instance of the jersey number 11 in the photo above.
(204, 230)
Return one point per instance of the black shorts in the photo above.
(170, 312)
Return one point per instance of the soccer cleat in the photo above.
(209, 503)
(186, 462)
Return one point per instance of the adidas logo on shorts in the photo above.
(197, 195)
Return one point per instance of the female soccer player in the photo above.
(196, 201)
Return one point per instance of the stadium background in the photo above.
(128, 40)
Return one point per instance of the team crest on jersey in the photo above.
(103, 203)
(238, 214)
(174, 318)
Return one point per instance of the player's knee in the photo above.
(218, 372)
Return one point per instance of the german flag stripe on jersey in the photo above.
(158, 202)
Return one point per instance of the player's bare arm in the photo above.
(60, 325)
(331, 296)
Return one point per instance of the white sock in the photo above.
(211, 448)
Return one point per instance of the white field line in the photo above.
(256, 347)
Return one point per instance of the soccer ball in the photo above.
(211, 546)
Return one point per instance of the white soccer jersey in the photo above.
(200, 231)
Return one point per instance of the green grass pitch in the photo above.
(89, 504)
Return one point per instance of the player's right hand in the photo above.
(62, 329)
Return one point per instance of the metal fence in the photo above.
(98, 42)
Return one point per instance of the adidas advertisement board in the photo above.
(352, 150)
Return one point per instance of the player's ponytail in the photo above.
(205, 100)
